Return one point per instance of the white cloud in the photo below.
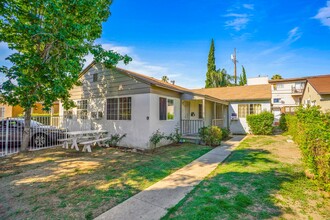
(324, 15)
(248, 6)
(293, 35)
(238, 22)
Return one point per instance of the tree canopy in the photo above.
(277, 76)
(165, 79)
(50, 39)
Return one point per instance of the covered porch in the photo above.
(199, 111)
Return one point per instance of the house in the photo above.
(261, 80)
(317, 92)
(122, 101)
(286, 95)
(243, 101)
(7, 111)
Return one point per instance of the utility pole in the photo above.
(233, 58)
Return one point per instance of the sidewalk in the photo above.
(153, 202)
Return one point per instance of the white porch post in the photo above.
(214, 111)
(204, 109)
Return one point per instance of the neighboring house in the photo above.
(122, 101)
(286, 95)
(261, 80)
(243, 101)
(317, 92)
(7, 111)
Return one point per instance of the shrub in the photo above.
(115, 139)
(156, 137)
(225, 133)
(310, 128)
(261, 124)
(175, 136)
(283, 126)
(210, 135)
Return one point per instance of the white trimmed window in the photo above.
(248, 109)
(82, 109)
(119, 108)
(166, 109)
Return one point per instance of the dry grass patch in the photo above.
(65, 184)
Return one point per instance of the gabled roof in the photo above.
(146, 79)
(239, 93)
(320, 84)
(295, 79)
(152, 81)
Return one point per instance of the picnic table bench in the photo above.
(87, 144)
(80, 137)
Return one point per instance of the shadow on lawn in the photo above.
(244, 187)
(69, 182)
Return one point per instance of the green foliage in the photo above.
(261, 124)
(216, 78)
(242, 77)
(283, 124)
(165, 79)
(310, 129)
(211, 135)
(170, 116)
(156, 137)
(211, 67)
(50, 39)
(277, 76)
(175, 136)
(225, 133)
(115, 139)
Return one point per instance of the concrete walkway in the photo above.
(153, 202)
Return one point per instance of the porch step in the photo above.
(191, 139)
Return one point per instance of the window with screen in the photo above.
(125, 108)
(95, 77)
(170, 109)
(119, 108)
(166, 109)
(248, 109)
(82, 109)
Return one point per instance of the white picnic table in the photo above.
(75, 135)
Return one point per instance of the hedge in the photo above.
(310, 129)
(261, 123)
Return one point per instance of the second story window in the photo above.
(95, 77)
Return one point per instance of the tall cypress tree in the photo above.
(211, 68)
(242, 77)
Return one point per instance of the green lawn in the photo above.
(65, 184)
(263, 178)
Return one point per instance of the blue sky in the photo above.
(172, 38)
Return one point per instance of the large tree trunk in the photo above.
(26, 132)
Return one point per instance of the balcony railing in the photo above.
(295, 90)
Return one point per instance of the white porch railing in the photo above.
(191, 127)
